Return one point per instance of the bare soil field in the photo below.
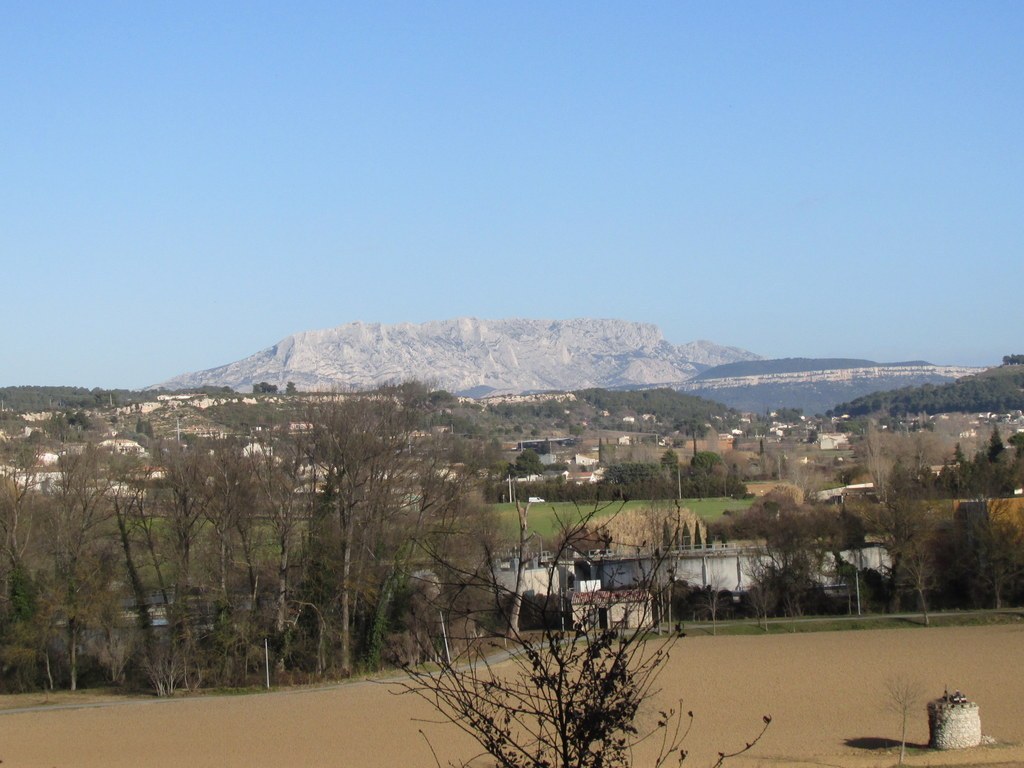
(826, 693)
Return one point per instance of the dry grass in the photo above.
(826, 693)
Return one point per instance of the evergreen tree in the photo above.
(995, 446)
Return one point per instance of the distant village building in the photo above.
(122, 446)
(257, 449)
(833, 441)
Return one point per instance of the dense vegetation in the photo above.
(308, 539)
(667, 405)
(34, 398)
(46, 398)
(996, 390)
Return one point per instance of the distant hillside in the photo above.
(42, 398)
(993, 391)
(793, 365)
(813, 385)
(669, 406)
(473, 357)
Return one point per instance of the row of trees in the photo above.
(953, 539)
(173, 571)
(705, 475)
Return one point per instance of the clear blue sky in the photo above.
(183, 184)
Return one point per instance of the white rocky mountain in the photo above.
(473, 356)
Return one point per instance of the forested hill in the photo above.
(30, 398)
(45, 398)
(993, 391)
(667, 405)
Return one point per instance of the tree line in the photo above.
(182, 569)
(705, 475)
(953, 539)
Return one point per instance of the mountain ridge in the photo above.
(813, 385)
(477, 358)
(791, 365)
(469, 355)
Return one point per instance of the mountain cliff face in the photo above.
(813, 385)
(475, 357)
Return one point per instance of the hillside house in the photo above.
(122, 446)
(581, 476)
(833, 441)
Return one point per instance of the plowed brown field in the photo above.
(826, 693)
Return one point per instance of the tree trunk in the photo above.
(281, 619)
(517, 596)
(73, 653)
(138, 592)
(346, 600)
(282, 589)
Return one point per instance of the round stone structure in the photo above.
(953, 722)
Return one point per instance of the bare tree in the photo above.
(877, 458)
(904, 696)
(361, 447)
(522, 558)
(906, 527)
(17, 498)
(918, 568)
(229, 505)
(564, 699)
(83, 565)
(129, 478)
(285, 496)
(184, 493)
(230, 512)
(711, 598)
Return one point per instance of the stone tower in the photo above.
(953, 722)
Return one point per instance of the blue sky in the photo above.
(183, 184)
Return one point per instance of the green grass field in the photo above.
(850, 623)
(547, 518)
